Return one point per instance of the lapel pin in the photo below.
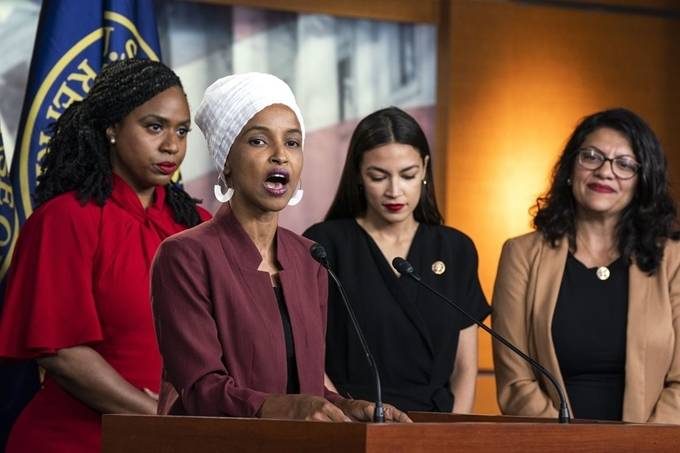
(438, 267)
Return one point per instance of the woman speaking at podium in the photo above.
(594, 293)
(385, 207)
(240, 304)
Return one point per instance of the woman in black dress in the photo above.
(385, 207)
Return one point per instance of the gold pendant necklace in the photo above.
(603, 273)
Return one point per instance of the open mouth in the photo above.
(276, 182)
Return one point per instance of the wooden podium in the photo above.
(431, 433)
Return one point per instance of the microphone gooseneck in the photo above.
(318, 252)
(405, 268)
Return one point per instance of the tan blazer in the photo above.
(524, 298)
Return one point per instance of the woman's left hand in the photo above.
(360, 410)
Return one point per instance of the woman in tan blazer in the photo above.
(594, 293)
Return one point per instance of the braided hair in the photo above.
(78, 158)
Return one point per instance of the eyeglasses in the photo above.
(623, 167)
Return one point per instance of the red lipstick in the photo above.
(394, 207)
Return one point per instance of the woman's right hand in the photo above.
(301, 407)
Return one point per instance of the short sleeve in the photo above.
(317, 234)
(49, 302)
(471, 289)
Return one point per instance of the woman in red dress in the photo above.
(78, 289)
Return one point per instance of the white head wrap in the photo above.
(230, 102)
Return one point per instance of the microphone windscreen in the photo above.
(318, 253)
(402, 266)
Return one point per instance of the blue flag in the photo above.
(19, 381)
(75, 38)
(8, 218)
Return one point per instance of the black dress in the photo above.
(412, 334)
(589, 334)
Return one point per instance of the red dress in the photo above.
(80, 276)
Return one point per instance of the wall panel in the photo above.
(520, 78)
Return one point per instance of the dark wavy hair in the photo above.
(79, 154)
(389, 125)
(650, 218)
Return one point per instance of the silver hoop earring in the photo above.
(220, 196)
(297, 196)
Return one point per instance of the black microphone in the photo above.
(319, 254)
(405, 268)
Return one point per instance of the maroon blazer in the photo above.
(218, 324)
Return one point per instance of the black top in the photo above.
(589, 334)
(293, 385)
(412, 334)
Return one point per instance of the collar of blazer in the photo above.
(549, 270)
(236, 241)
